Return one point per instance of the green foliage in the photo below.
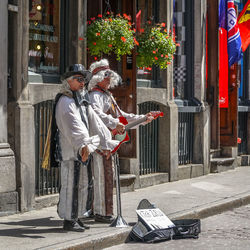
(110, 34)
(156, 46)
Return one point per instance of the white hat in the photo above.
(98, 70)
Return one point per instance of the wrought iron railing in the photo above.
(47, 181)
(148, 142)
(185, 137)
(242, 132)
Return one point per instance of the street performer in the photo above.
(80, 132)
(103, 103)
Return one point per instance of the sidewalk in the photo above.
(191, 198)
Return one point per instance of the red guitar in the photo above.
(124, 137)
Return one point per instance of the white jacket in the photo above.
(74, 134)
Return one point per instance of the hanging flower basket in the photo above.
(110, 34)
(156, 46)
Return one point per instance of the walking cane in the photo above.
(119, 221)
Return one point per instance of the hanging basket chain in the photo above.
(108, 7)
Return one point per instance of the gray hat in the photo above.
(77, 69)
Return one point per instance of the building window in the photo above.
(183, 60)
(44, 40)
(149, 9)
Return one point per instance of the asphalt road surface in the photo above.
(227, 231)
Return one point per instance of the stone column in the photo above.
(168, 141)
(8, 194)
(202, 119)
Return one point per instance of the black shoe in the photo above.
(72, 226)
(82, 224)
(103, 218)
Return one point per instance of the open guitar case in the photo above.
(183, 229)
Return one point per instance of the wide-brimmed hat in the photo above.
(77, 69)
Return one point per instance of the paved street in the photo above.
(191, 198)
(227, 231)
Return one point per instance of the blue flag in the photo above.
(228, 21)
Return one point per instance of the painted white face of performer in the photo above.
(76, 82)
(105, 83)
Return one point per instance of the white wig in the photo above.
(98, 70)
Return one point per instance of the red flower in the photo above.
(163, 25)
(149, 69)
(110, 19)
(89, 22)
(97, 34)
(99, 15)
(108, 13)
(161, 55)
(94, 43)
(156, 58)
(154, 52)
(92, 18)
(166, 56)
(142, 30)
(110, 45)
(95, 58)
(81, 38)
(177, 45)
(123, 39)
(136, 42)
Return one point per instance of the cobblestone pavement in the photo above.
(226, 231)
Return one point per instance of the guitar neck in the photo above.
(133, 124)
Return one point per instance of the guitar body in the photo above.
(121, 138)
(124, 137)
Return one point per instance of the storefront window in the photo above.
(148, 10)
(179, 29)
(44, 41)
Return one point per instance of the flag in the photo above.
(244, 26)
(138, 21)
(223, 56)
(233, 35)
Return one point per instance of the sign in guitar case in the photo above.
(143, 232)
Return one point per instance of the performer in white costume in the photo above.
(81, 132)
(105, 106)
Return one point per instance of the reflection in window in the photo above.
(44, 40)
(179, 29)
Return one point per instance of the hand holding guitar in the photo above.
(123, 137)
(120, 128)
(149, 117)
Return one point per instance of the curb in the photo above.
(121, 235)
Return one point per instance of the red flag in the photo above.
(138, 21)
(244, 26)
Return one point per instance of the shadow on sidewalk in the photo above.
(31, 228)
